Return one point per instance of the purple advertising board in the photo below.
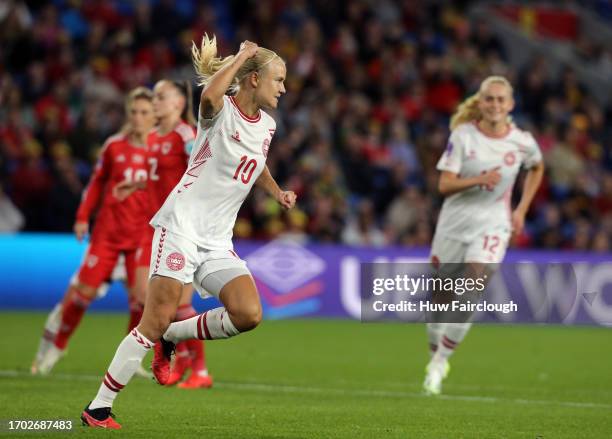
(316, 280)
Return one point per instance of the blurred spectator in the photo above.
(362, 229)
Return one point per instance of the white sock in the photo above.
(126, 361)
(211, 325)
(453, 334)
(51, 327)
(434, 330)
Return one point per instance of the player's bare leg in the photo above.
(189, 353)
(162, 300)
(163, 297)
(242, 312)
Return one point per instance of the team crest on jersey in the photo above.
(265, 147)
(138, 158)
(175, 261)
(155, 147)
(166, 147)
(509, 158)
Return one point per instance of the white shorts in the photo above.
(180, 258)
(487, 248)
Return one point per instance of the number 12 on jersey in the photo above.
(247, 167)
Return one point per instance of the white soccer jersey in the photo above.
(229, 154)
(469, 153)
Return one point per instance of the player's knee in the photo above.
(249, 317)
(153, 326)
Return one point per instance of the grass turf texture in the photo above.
(329, 379)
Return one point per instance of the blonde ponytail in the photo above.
(468, 110)
(207, 63)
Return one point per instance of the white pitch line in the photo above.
(335, 391)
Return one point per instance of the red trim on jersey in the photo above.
(493, 136)
(160, 247)
(244, 116)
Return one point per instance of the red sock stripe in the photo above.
(205, 326)
(48, 335)
(222, 327)
(112, 384)
(200, 335)
(448, 343)
(110, 387)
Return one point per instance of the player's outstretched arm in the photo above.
(211, 100)
(530, 187)
(286, 199)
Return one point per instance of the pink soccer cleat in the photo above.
(196, 381)
(99, 418)
(160, 366)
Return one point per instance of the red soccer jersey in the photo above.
(120, 223)
(168, 157)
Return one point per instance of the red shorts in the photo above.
(144, 249)
(100, 260)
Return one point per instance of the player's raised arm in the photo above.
(218, 75)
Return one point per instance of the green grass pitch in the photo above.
(329, 379)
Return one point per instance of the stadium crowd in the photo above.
(371, 87)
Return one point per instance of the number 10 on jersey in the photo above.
(245, 169)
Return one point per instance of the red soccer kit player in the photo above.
(167, 161)
(119, 224)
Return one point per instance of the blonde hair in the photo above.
(206, 62)
(468, 110)
(132, 96)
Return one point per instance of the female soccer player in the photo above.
(119, 224)
(483, 157)
(193, 229)
(169, 147)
